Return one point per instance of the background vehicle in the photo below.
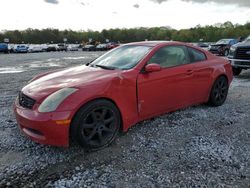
(112, 45)
(222, 46)
(11, 47)
(102, 47)
(21, 48)
(35, 48)
(73, 47)
(239, 56)
(131, 83)
(62, 47)
(202, 45)
(52, 48)
(4, 48)
(44, 47)
(89, 47)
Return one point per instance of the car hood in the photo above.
(243, 44)
(218, 45)
(73, 77)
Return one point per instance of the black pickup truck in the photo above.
(239, 56)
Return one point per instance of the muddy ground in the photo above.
(197, 146)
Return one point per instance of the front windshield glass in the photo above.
(223, 41)
(247, 39)
(124, 57)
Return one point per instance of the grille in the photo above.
(214, 51)
(242, 63)
(243, 53)
(26, 101)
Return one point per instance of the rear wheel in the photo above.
(236, 71)
(96, 124)
(219, 91)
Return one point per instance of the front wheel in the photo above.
(219, 91)
(226, 53)
(96, 124)
(236, 71)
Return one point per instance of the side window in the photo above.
(170, 56)
(196, 55)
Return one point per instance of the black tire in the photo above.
(226, 53)
(219, 91)
(236, 71)
(96, 124)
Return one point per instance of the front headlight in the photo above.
(54, 100)
(232, 49)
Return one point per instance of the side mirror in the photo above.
(152, 67)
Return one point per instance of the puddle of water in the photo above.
(53, 65)
(53, 59)
(33, 65)
(75, 58)
(6, 70)
(42, 64)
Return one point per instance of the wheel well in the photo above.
(102, 98)
(221, 75)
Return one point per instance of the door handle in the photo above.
(189, 72)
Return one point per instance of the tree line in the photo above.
(206, 33)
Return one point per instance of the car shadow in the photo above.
(245, 75)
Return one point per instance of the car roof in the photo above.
(228, 39)
(154, 43)
(164, 43)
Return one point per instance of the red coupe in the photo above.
(137, 81)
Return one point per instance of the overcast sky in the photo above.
(105, 14)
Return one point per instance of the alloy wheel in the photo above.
(99, 126)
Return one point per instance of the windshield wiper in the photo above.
(106, 67)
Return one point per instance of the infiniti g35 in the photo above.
(91, 103)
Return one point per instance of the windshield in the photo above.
(223, 41)
(247, 39)
(125, 57)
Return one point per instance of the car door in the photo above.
(168, 89)
(202, 72)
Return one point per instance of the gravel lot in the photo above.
(199, 146)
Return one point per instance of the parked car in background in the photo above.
(102, 47)
(11, 48)
(222, 47)
(112, 45)
(35, 48)
(21, 48)
(91, 103)
(4, 48)
(202, 45)
(44, 47)
(73, 47)
(62, 47)
(239, 56)
(52, 48)
(89, 47)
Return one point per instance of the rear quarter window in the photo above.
(196, 55)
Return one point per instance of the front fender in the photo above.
(121, 90)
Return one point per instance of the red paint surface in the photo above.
(137, 94)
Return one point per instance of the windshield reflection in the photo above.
(124, 57)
